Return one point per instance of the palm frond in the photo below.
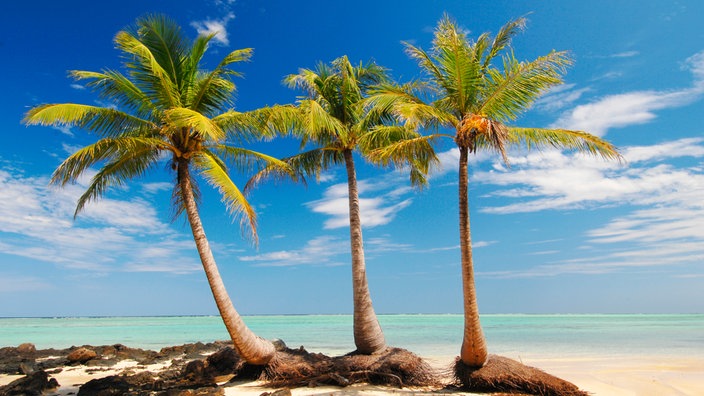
(426, 63)
(131, 158)
(320, 125)
(564, 139)
(100, 120)
(215, 173)
(147, 72)
(181, 117)
(511, 92)
(247, 161)
(163, 38)
(401, 152)
(107, 149)
(503, 39)
(214, 89)
(117, 88)
(306, 164)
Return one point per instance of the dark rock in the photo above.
(279, 344)
(138, 384)
(208, 391)
(26, 349)
(279, 392)
(13, 358)
(223, 362)
(31, 385)
(108, 386)
(81, 355)
(196, 371)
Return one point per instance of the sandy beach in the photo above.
(607, 376)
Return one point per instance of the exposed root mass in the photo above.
(501, 374)
(394, 366)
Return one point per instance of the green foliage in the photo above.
(335, 116)
(466, 89)
(165, 106)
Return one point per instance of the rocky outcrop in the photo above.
(34, 384)
(81, 356)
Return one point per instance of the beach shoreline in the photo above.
(617, 375)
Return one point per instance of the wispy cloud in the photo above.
(36, 222)
(554, 180)
(379, 202)
(65, 129)
(662, 225)
(560, 97)
(633, 108)
(218, 27)
(625, 54)
(77, 86)
(321, 251)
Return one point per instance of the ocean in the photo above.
(516, 336)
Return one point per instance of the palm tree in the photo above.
(168, 108)
(333, 116)
(466, 92)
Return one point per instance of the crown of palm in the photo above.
(466, 91)
(164, 104)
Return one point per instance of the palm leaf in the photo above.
(102, 150)
(212, 90)
(182, 117)
(300, 166)
(103, 121)
(126, 163)
(562, 138)
(503, 39)
(148, 72)
(117, 88)
(215, 173)
(400, 153)
(510, 93)
(246, 161)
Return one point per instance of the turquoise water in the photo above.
(426, 335)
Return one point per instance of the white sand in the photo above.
(600, 376)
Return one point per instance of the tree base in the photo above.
(394, 366)
(501, 374)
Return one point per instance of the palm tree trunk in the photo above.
(474, 352)
(251, 348)
(368, 337)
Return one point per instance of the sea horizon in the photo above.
(350, 314)
(431, 335)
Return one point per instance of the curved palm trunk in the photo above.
(251, 348)
(368, 337)
(474, 352)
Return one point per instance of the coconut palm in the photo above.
(333, 117)
(168, 109)
(466, 92)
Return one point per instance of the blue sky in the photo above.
(555, 233)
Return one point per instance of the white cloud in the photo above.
(632, 108)
(65, 129)
(625, 54)
(218, 27)
(555, 180)
(78, 86)
(560, 97)
(320, 251)
(665, 205)
(373, 211)
(36, 222)
(153, 188)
